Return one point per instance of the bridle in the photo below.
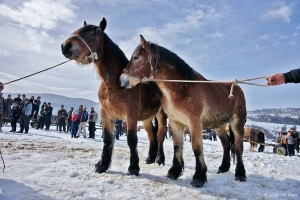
(93, 56)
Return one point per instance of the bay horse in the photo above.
(254, 136)
(137, 104)
(196, 105)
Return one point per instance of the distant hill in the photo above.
(58, 100)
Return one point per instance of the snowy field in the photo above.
(52, 165)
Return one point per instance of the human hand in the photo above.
(275, 79)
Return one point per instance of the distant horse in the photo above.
(196, 105)
(254, 136)
(138, 104)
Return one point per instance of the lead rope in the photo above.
(234, 82)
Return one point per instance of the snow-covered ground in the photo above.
(52, 165)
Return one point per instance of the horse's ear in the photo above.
(84, 23)
(103, 24)
(144, 44)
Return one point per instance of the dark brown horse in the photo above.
(196, 105)
(91, 45)
(254, 136)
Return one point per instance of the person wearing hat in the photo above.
(295, 135)
(36, 107)
(62, 116)
(25, 116)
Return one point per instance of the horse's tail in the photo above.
(231, 143)
(155, 126)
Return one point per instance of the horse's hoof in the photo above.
(240, 178)
(160, 160)
(133, 172)
(150, 160)
(100, 169)
(197, 183)
(172, 176)
(220, 171)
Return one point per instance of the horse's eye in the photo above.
(93, 34)
(135, 57)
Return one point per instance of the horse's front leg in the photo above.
(178, 164)
(132, 141)
(108, 144)
(151, 133)
(162, 124)
(199, 177)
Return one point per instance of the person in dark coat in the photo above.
(62, 116)
(292, 76)
(25, 116)
(48, 116)
(295, 135)
(9, 102)
(18, 100)
(42, 116)
(92, 119)
(14, 115)
(69, 119)
(35, 107)
(118, 126)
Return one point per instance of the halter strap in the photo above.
(93, 55)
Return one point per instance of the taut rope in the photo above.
(233, 82)
(36, 73)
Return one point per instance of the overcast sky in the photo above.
(220, 39)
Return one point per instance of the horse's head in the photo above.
(84, 45)
(140, 66)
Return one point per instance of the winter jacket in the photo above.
(62, 114)
(42, 112)
(26, 109)
(69, 118)
(84, 117)
(292, 76)
(49, 111)
(15, 112)
(36, 103)
(17, 100)
(92, 117)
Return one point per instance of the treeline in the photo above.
(275, 119)
(276, 111)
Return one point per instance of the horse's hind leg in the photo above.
(151, 132)
(222, 134)
(178, 164)
(108, 144)
(237, 125)
(162, 124)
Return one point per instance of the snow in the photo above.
(52, 165)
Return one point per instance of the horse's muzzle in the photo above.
(125, 81)
(66, 49)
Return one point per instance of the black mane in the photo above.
(172, 59)
(116, 51)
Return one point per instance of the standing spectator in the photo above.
(1, 109)
(295, 135)
(35, 107)
(15, 115)
(124, 127)
(118, 127)
(9, 103)
(75, 122)
(42, 116)
(18, 100)
(82, 122)
(48, 116)
(290, 144)
(92, 119)
(69, 118)
(31, 99)
(22, 100)
(62, 115)
(25, 116)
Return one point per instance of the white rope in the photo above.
(93, 55)
(233, 82)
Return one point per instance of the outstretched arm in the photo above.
(276, 79)
(292, 76)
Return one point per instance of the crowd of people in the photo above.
(22, 110)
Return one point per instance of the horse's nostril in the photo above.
(66, 48)
(69, 45)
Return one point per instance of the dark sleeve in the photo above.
(292, 76)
